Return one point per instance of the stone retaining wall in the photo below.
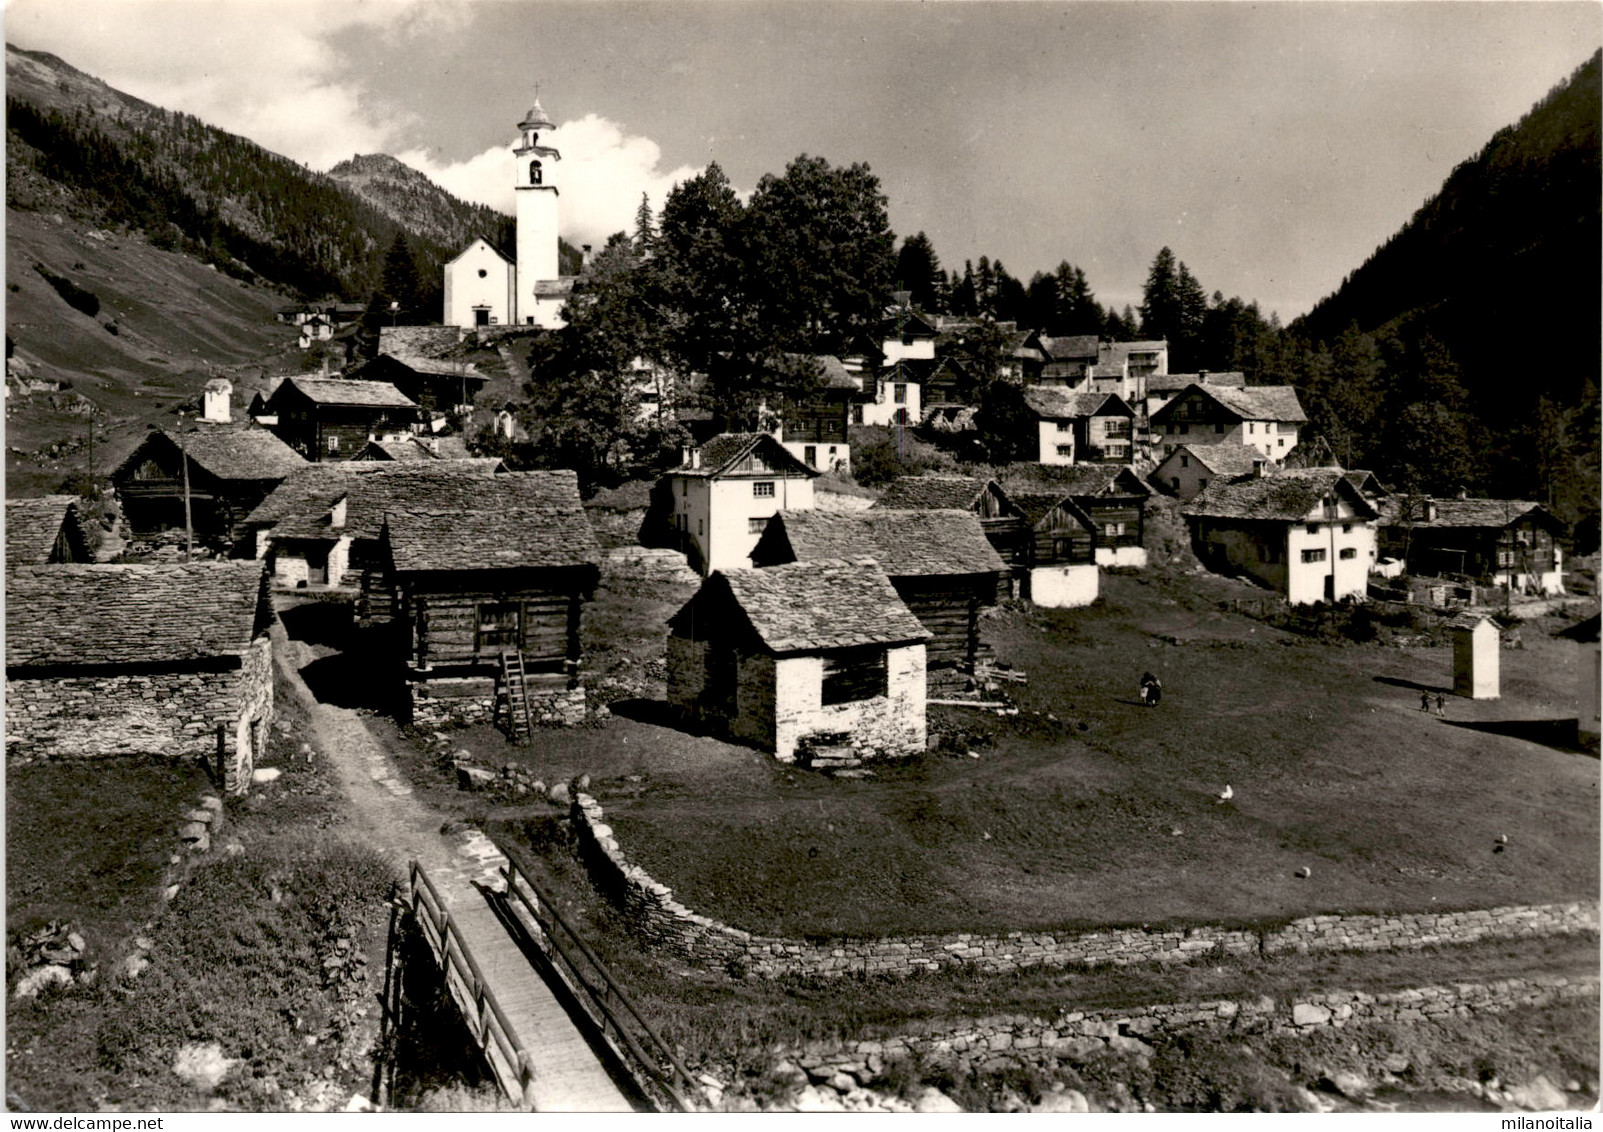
(667, 925)
(1078, 1033)
(547, 706)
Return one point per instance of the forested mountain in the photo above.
(198, 189)
(1427, 357)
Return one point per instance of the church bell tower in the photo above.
(537, 222)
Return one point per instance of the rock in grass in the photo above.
(263, 775)
(560, 794)
(473, 777)
(36, 980)
(931, 1099)
(1305, 872)
(202, 1065)
(1069, 1100)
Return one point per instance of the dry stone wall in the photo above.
(1079, 1033)
(166, 713)
(666, 924)
(476, 702)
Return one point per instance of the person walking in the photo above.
(1441, 706)
(1424, 701)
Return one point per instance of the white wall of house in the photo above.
(885, 406)
(894, 722)
(1272, 439)
(919, 349)
(1342, 546)
(1183, 474)
(1055, 441)
(1549, 582)
(1133, 556)
(1064, 587)
(724, 517)
(477, 279)
(824, 457)
(290, 567)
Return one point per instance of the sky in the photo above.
(1271, 146)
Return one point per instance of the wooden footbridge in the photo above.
(557, 1032)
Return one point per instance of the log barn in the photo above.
(791, 655)
(114, 659)
(231, 470)
(330, 418)
(1057, 567)
(1503, 541)
(490, 595)
(940, 562)
(1112, 495)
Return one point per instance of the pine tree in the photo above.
(645, 238)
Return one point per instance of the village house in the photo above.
(436, 385)
(1188, 468)
(1588, 681)
(1307, 533)
(327, 418)
(1080, 428)
(1161, 388)
(315, 329)
(116, 659)
(1265, 417)
(940, 562)
(490, 601)
(230, 472)
(813, 653)
(720, 497)
(1057, 567)
(1507, 542)
(1113, 497)
(891, 366)
(44, 532)
(324, 521)
(1001, 521)
(814, 428)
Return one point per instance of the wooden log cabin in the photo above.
(328, 418)
(1004, 524)
(1111, 495)
(1506, 542)
(231, 470)
(490, 596)
(1057, 567)
(940, 563)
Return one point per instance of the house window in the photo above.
(1313, 528)
(1066, 450)
(853, 674)
(1064, 426)
(684, 487)
(900, 393)
(763, 488)
(857, 414)
(1202, 482)
(1314, 555)
(1346, 528)
(1252, 429)
(333, 443)
(1113, 530)
(1348, 552)
(701, 525)
(810, 455)
(1185, 461)
(755, 526)
(499, 626)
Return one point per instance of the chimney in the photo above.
(584, 261)
(690, 456)
(1430, 510)
(1202, 377)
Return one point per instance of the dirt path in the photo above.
(384, 811)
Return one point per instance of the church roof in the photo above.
(536, 118)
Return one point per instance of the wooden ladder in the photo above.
(519, 723)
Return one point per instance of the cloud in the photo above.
(602, 173)
(266, 70)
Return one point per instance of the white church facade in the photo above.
(484, 288)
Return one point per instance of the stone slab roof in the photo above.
(1253, 403)
(344, 391)
(720, 453)
(1222, 459)
(1082, 481)
(932, 493)
(517, 521)
(228, 453)
(1053, 402)
(33, 525)
(905, 543)
(1074, 347)
(1034, 506)
(1174, 382)
(298, 507)
(806, 607)
(117, 615)
(1485, 514)
(1287, 495)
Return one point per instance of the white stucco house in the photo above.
(820, 651)
(724, 492)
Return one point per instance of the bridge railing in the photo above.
(501, 1046)
(654, 1066)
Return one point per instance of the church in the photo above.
(483, 288)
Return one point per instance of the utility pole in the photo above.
(189, 527)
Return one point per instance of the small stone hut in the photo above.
(1476, 661)
(116, 659)
(813, 651)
